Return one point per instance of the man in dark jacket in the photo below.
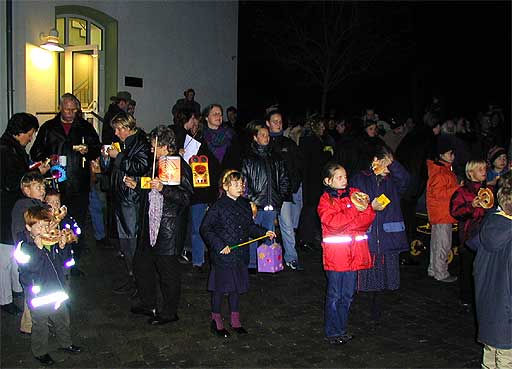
(126, 167)
(14, 163)
(267, 182)
(119, 104)
(285, 148)
(75, 142)
(164, 211)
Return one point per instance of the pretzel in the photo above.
(485, 198)
(360, 200)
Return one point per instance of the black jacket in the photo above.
(286, 148)
(312, 151)
(14, 163)
(132, 161)
(44, 268)
(107, 132)
(267, 180)
(52, 140)
(229, 222)
(173, 225)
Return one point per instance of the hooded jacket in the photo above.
(267, 180)
(493, 285)
(441, 185)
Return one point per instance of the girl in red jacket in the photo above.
(345, 247)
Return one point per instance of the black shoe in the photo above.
(253, 271)
(11, 309)
(240, 330)
(45, 359)
(159, 320)
(103, 244)
(408, 262)
(127, 288)
(197, 269)
(339, 340)
(143, 311)
(222, 333)
(71, 349)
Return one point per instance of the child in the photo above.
(345, 248)
(41, 276)
(441, 184)
(33, 188)
(229, 221)
(52, 199)
(466, 208)
(497, 160)
(492, 282)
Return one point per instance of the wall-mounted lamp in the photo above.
(51, 42)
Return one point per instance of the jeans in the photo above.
(266, 220)
(287, 232)
(197, 214)
(296, 207)
(96, 208)
(440, 245)
(340, 292)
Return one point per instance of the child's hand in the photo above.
(62, 240)
(112, 152)
(476, 202)
(376, 205)
(270, 235)
(226, 250)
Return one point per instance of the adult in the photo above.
(285, 148)
(161, 236)
(127, 166)
(315, 154)
(395, 134)
(14, 163)
(119, 104)
(187, 103)
(75, 142)
(266, 183)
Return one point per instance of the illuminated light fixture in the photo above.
(51, 42)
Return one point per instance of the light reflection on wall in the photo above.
(41, 59)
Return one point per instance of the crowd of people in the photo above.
(350, 187)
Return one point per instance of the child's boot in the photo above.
(235, 323)
(218, 327)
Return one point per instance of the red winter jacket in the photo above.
(441, 185)
(461, 209)
(344, 243)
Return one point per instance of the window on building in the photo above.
(74, 31)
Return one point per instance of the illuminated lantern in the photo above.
(169, 170)
(200, 172)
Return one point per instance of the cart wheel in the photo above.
(425, 229)
(450, 256)
(416, 247)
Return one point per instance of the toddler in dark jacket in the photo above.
(229, 221)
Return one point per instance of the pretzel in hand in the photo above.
(360, 200)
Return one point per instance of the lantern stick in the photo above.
(154, 157)
(247, 242)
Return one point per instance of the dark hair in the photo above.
(21, 123)
(183, 116)
(231, 108)
(380, 152)
(29, 177)
(166, 137)
(189, 90)
(35, 214)
(329, 169)
(52, 192)
(269, 114)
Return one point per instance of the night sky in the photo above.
(460, 51)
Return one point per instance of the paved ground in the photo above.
(421, 326)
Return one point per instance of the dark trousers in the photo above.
(408, 207)
(466, 282)
(147, 266)
(40, 318)
(309, 225)
(341, 287)
(77, 204)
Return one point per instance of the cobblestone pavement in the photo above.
(421, 325)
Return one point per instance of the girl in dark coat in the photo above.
(229, 221)
(161, 237)
(386, 236)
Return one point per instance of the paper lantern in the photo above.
(169, 170)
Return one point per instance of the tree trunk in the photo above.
(325, 91)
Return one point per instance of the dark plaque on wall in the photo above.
(133, 81)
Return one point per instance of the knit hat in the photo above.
(122, 95)
(444, 144)
(494, 152)
(368, 122)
